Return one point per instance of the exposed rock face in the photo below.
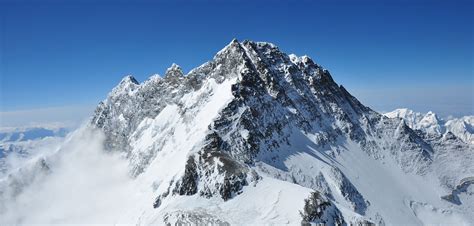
(192, 218)
(248, 112)
(317, 210)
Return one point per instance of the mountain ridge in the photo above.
(271, 90)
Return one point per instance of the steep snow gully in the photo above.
(252, 136)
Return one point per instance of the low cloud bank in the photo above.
(79, 182)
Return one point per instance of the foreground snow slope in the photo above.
(246, 138)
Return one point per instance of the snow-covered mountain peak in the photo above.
(154, 78)
(401, 113)
(410, 117)
(431, 116)
(174, 72)
(258, 70)
(128, 79)
(126, 86)
(233, 46)
(234, 41)
(306, 60)
(462, 127)
(432, 125)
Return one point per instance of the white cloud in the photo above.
(85, 185)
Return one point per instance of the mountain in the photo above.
(258, 136)
(431, 124)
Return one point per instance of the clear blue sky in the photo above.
(389, 54)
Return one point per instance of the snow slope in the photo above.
(252, 136)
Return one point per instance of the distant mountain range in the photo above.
(430, 123)
(30, 133)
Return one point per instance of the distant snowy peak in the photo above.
(462, 128)
(410, 117)
(431, 124)
(428, 122)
